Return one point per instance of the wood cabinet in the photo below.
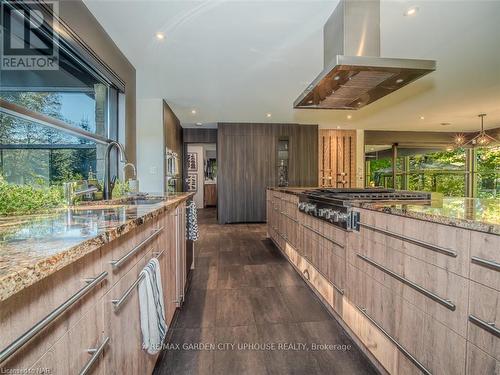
(210, 195)
(485, 259)
(420, 296)
(247, 165)
(479, 362)
(337, 158)
(23, 310)
(484, 319)
(94, 321)
(73, 351)
(123, 327)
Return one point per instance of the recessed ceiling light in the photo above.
(399, 80)
(193, 111)
(310, 102)
(411, 11)
(349, 117)
(422, 118)
(160, 36)
(338, 126)
(199, 124)
(336, 78)
(268, 115)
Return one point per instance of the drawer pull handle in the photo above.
(486, 263)
(38, 327)
(340, 290)
(118, 303)
(414, 241)
(490, 327)
(96, 353)
(288, 216)
(323, 236)
(306, 274)
(403, 350)
(445, 302)
(118, 263)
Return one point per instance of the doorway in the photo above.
(201, 173)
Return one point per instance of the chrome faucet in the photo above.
(108, 185)
(70, 192)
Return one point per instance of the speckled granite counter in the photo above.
(35, 246)
(469, 213)
(292, 190)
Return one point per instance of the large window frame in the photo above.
(470, 172)
(72, 45)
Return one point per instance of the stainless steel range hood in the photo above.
(354, 74)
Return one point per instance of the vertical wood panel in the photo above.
(247, 165)
(337, 155)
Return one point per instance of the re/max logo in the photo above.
(28, 38)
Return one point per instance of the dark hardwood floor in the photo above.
(243, 293)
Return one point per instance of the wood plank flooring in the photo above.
(244, 293)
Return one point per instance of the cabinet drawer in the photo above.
(126, 355)
(380, 301)
(327, 242)
(411, 328)
(485, 259)
(70, 355)
(438, 292)
(316, 280)
(374, 340)
(336, 270)
(120, 255)
(479, 363)
(167, 263)
(22, 311)
(484, 310)
(441, 245)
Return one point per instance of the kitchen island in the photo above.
(414, 276)
(67, 281)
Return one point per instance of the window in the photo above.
(444, 172)
(487, 175)
(76, 94)
(31, 153)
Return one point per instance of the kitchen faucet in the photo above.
(108, 185)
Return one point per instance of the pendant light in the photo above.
(481, 139)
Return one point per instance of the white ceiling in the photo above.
(236, 61)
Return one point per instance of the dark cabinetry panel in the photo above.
(173, 129)
(247, 155)
(194, 135)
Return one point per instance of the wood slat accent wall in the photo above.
(246, 158)
(337, 158)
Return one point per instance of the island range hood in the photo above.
(354, 74)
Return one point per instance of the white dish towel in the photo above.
(152, 308)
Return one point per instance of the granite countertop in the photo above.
(292, 190)
(33, 247)
(469, 213)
